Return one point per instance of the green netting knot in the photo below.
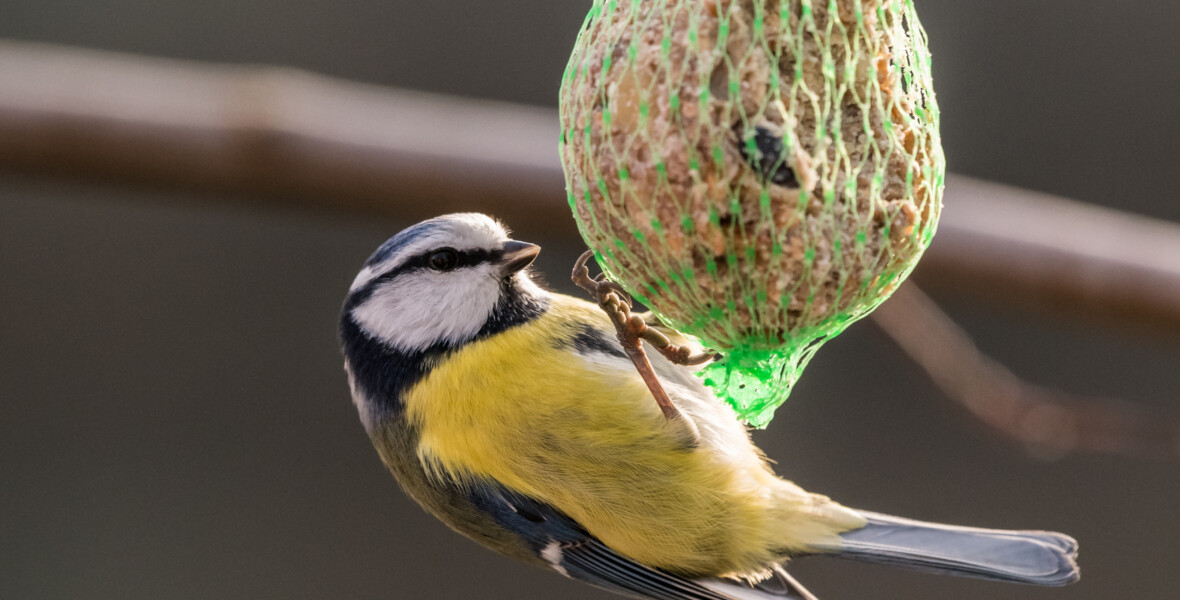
(756, 382)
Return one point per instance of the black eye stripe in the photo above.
(471, 258)
(467, 258)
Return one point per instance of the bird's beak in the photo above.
(517, 255)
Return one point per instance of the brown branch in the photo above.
(1047, 421)
(287, 135)
(1009, 245)
(292, 136)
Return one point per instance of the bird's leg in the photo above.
(630, 330)
(599, 286)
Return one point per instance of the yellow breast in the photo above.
(581, 432)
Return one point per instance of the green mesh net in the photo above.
(760, 173)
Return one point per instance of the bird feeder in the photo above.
(759, 173)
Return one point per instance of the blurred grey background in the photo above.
(174, 421)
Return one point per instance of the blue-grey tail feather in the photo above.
(1036, 557)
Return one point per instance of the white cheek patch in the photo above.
(525, 284)
(422, 308)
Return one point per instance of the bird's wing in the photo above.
(571, 551)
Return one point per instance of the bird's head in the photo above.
(442, 283)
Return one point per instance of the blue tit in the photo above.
(512, 414)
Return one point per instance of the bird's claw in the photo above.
(630, 329)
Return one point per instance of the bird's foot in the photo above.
(630, 330)
(617, 303)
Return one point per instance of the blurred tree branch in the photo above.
(294, 137)
(1048, 422)
(279, 134)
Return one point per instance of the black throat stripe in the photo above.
(383, 374)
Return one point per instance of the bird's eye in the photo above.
(444, 260)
